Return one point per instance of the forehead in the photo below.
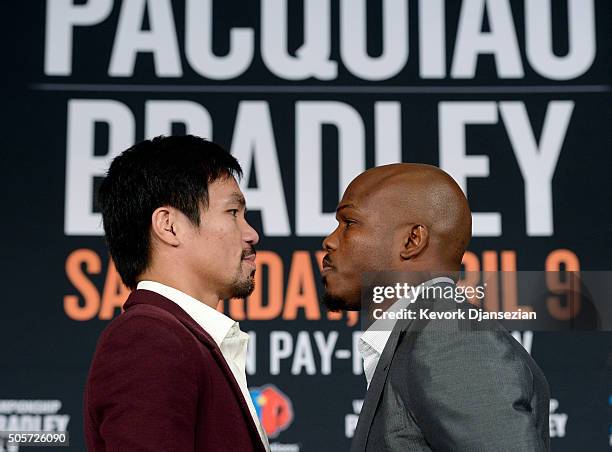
(224, 189)
(369, 195)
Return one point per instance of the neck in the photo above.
(172, 279)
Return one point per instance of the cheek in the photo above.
(355, 252)
(368, 252)
(220, 242)
(225, 232)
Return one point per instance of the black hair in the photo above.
(165, 171)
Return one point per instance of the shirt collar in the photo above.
(215, 323)
(376, 336)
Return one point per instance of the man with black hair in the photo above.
(169, 372)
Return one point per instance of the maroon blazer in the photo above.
(158, 382)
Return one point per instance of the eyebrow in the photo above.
(237, 198)
(344, 206)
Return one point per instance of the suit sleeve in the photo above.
(471, 391)
(143, 388)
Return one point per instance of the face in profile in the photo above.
(222, 249)
(359, 244)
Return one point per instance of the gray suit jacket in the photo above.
(454, 385)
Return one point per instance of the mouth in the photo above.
(249, 256)
(327, 265)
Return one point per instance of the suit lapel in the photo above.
(148, 297)
(372, 398)
(377, 385)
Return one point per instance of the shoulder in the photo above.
(464, 345)
(467, 339)
(149, 328)
(149, 346)
(143, 319)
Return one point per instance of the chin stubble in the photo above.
(333, 304)
(243, 287)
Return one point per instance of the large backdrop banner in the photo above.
(512, 98)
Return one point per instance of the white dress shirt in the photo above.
(373, 340)
(225, 332)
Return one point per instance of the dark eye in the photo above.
(234, 212)
(348, 223)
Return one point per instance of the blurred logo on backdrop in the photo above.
(274, 409)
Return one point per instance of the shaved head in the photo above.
(404, 217)
(418, 193)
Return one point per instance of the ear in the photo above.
(164, 225)
(415, 241)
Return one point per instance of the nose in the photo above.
(330, 243)
(249, 234)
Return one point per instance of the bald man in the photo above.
(432, 384)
